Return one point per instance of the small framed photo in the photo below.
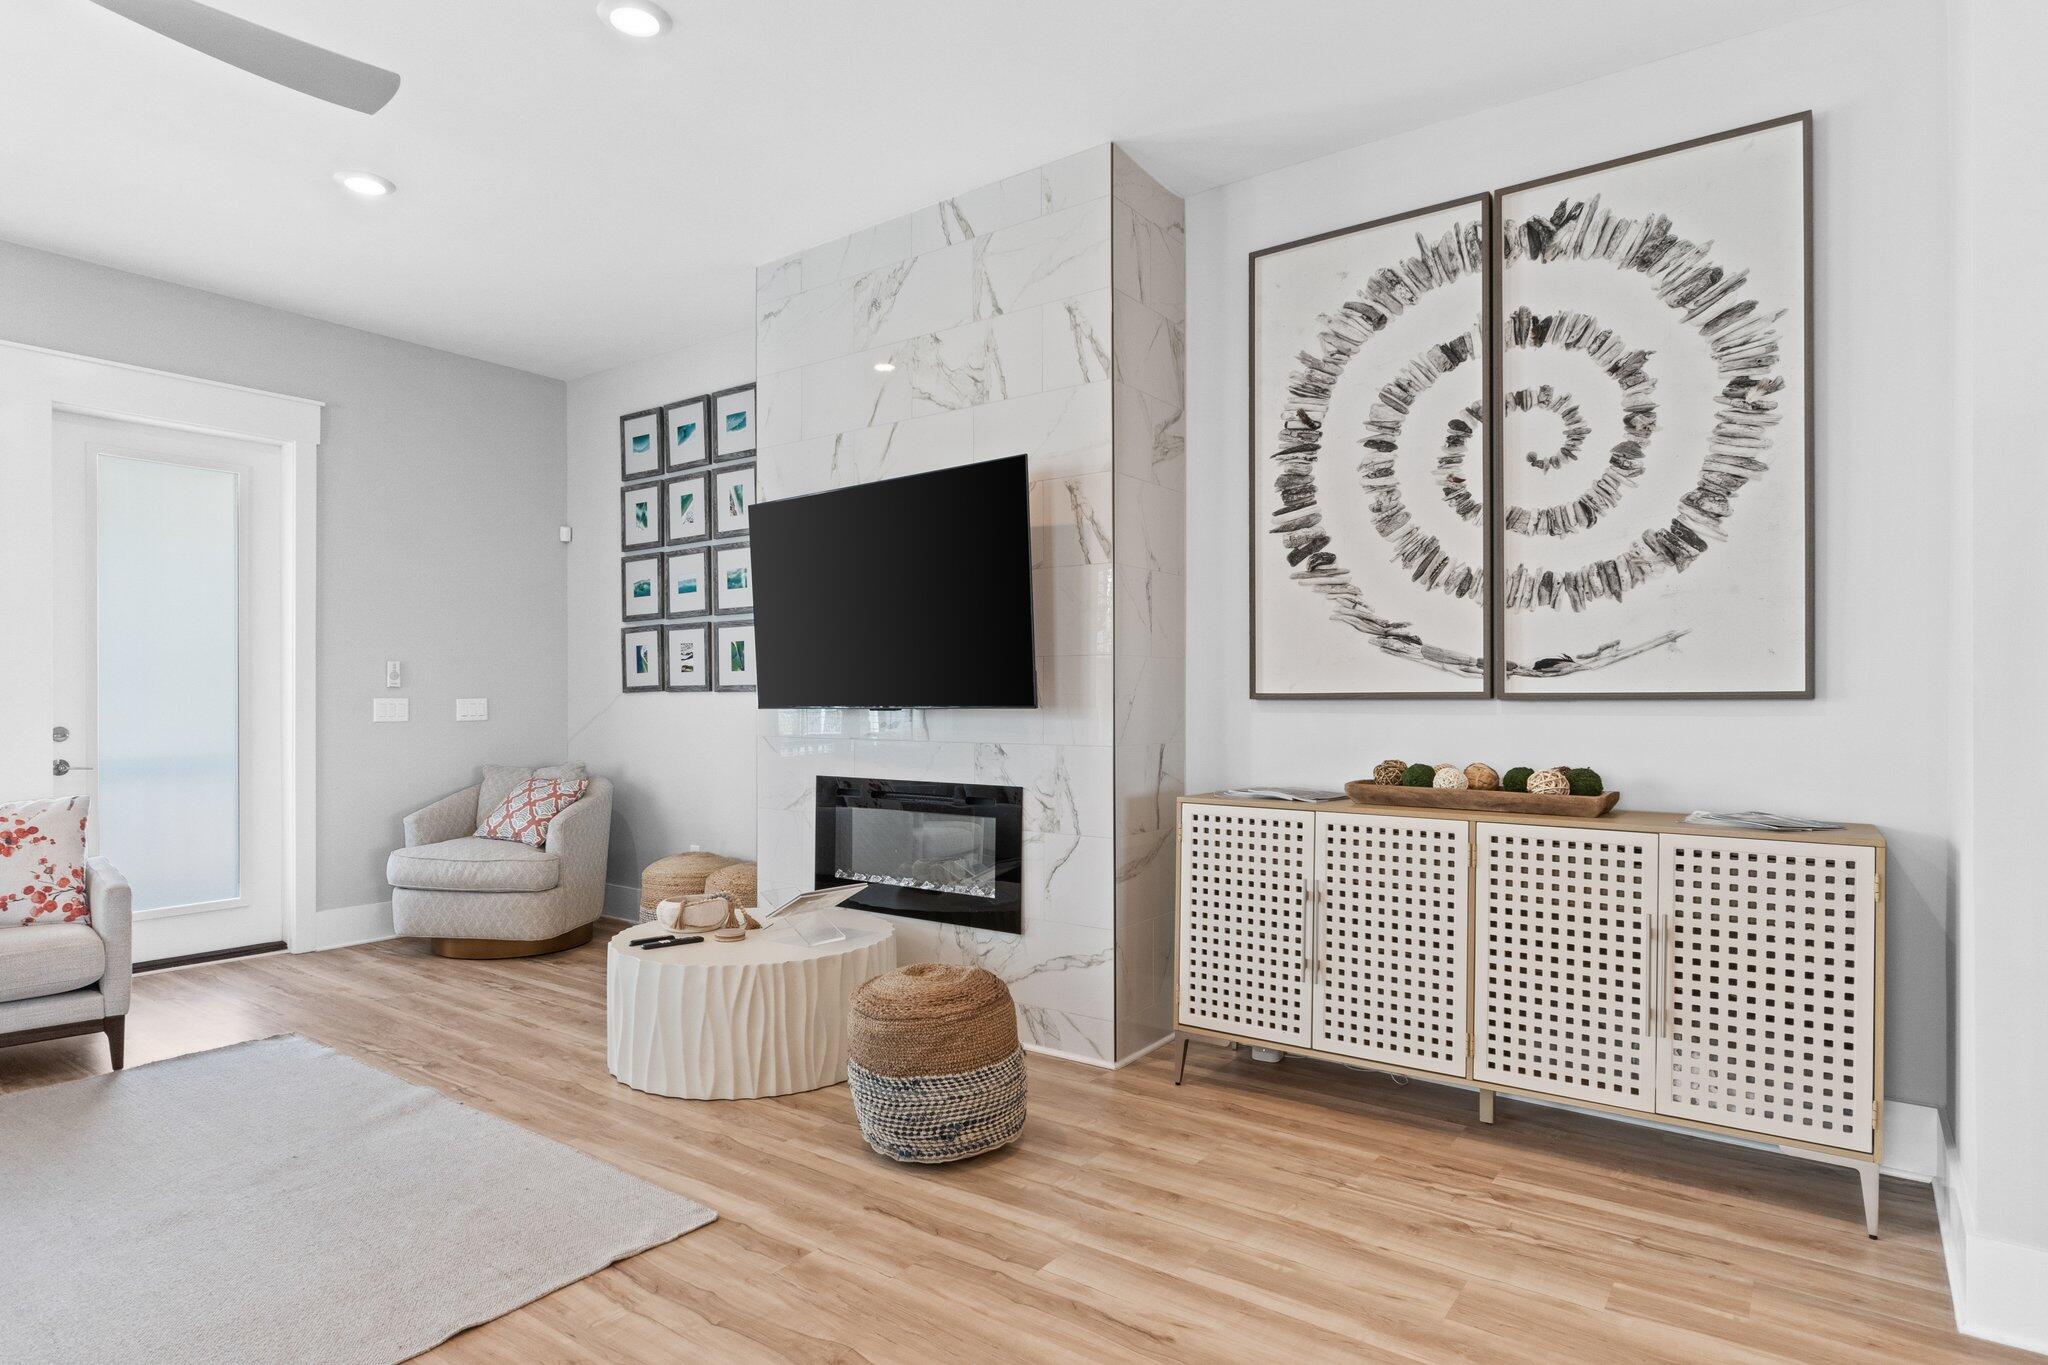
(640, 587)
(733, 504)
(732, 647)
(640, 445)
(686, 433)
(687, 583)
(640, 517)
(686, 508)
(733, 574)
(732, 424)
(689, 658)
(640, 659)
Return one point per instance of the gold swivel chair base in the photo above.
(481, 948)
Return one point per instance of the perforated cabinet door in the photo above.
(1770, 952)
(1244, 931)
(1389, 958)
(1565, 962)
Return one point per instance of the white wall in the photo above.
(1998, 1204)
(682, 763)
(1874, 745)
(439, 494)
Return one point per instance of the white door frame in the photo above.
(35, 383)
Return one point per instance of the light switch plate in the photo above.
(472, 708)
(390, 708)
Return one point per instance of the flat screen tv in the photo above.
(910, 592)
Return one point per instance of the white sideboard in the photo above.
(1730, 982)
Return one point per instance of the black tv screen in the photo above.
(907, 592)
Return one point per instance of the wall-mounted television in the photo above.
(908, 592)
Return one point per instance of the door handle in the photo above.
(61, 766)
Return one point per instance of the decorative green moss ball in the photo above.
(1585, 782)
(1515, 780)
(1419, 775)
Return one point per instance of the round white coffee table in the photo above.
(737, 1021)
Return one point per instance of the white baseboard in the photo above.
(344, 926)
(1912, 1141)
(1146, 1050)
(622, 902)
(1996, 1285)
(1102, 1062)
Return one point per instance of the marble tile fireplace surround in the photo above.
(1041, 314)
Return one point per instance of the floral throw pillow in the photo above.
(524, 816)
(42, 862)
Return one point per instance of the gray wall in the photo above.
(440, 491)
(681, 763)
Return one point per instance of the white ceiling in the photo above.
(570, 199)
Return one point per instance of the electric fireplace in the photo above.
(945, 851)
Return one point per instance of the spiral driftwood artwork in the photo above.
(1649, 505)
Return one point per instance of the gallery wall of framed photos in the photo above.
(686, 570)
(1552, 441)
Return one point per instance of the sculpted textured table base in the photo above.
(734, 1021)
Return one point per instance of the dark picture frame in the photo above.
(626, 683)
(656, 601)
(668, 605)
(669, 463)
(669, 633)
(718, 589)
(657, 501)
(725, 446)
(672, 534)
(724, 524)
(656, 441)
(1497, 474)
(1259, 443)
(718, 648)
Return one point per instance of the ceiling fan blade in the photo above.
(264, 52)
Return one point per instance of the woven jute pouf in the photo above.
(740, 881)
(933, 1063)
(677, 877)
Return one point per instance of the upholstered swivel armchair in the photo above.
(474, 897)
(61, 980)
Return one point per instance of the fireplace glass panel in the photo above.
(926, 850)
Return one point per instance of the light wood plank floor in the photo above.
(1297, 1212)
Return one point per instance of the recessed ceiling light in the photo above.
(364, 183)
(884, 366)
(634, 18)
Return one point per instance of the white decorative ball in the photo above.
(1549, 782)
(1453, 778)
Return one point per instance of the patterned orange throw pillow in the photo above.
(42, 862)
(524, 816)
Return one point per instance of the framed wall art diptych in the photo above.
(1553, 442)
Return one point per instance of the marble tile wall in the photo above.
(1148, 390)
(995, 309)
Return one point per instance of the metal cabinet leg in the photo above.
(1180, 1068)
(1486, 1106)
(1867, 1173)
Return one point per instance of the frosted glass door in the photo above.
(170, 662)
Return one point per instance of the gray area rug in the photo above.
(277, 1201)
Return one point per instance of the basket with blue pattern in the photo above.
(933, 1063)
